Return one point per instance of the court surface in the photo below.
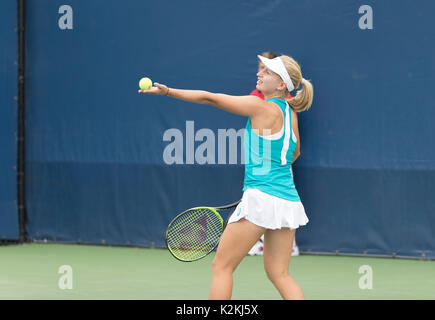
(31, 271)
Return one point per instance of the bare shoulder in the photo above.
(272, 108)
(269, 117)
(261, 106)
(242, 105)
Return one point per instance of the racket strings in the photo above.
(194, 234)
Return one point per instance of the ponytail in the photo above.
(304, 97)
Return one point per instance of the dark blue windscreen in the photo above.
(8, 120)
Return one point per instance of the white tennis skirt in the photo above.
(268, 211)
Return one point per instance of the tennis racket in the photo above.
(196, 232)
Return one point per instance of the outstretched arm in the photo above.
(242, 105)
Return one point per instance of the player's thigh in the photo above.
(277, 250)
(236, 241)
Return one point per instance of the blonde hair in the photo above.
(304, 96)
(269, 54)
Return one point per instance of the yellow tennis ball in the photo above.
(145, 83)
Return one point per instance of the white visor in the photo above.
(276, 65)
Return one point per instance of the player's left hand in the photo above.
(157, 89)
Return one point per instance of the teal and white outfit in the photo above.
(270, 198)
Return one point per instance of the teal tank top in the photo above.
(268, 160)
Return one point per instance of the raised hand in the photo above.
(157, 89)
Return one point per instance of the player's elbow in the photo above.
(297, 151)
(295, 156)
(208, 98)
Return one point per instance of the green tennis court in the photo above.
(31, 271)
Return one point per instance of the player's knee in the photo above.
(276, 274)
(219, 265)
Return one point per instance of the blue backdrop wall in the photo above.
(96, 166)
(8, 120)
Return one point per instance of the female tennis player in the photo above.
(270, 204)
